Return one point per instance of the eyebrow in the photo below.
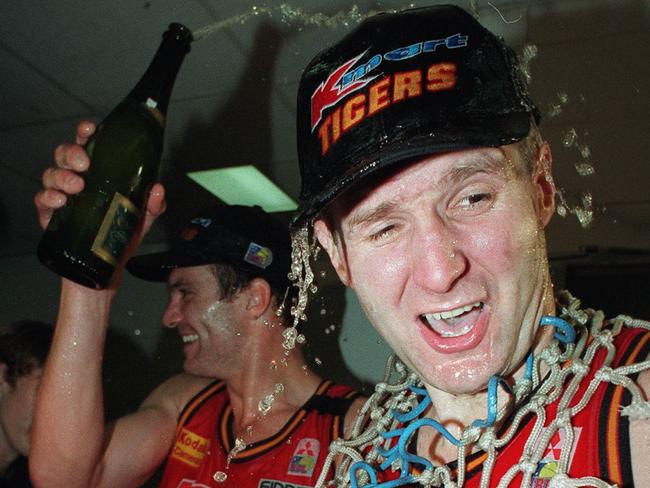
(374, 214)
(475, 163)
(471, 164)
(175, 285)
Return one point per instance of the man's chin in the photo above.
(461, 378)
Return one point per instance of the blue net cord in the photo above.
(398, 453)
(565, 332)
(418, 409)
(492, 403)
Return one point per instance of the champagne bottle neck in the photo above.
(155, 86)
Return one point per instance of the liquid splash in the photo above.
(288, 14)
(293, 15)
(584, 212)
(265, 404)
(556, 108)
(219, 476)
(502, 16)
(264, 407)
(570, 138)
(302, 276)
(584, 169)
(528, 53)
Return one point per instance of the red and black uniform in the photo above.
(601, 435)
(292, 458)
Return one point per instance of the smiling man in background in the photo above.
(246, 411)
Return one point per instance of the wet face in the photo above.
(448, 259)
(210, 327)
(17, 411)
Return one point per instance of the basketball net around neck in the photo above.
(391, 416)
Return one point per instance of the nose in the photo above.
(172, 315)
(438, 260)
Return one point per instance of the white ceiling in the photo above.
(233, 102)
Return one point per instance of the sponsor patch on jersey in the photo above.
(278, 484)
(303, 461)
(190, 448)
(548, 465)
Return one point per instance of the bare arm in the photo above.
(70, 444)
(137, 444)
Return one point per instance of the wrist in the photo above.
(82, 299)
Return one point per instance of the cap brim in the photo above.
(495, 131)
(157, 266)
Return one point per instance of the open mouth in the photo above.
(454, 323)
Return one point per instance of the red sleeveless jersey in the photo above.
(601, 435)
(292, 458)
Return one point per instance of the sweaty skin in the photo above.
(462, 236)
(208, 325)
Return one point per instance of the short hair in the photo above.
(232, 280)
(528, 147)
(24, 346)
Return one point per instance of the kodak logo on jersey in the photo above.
(190, 448)
(334, 110)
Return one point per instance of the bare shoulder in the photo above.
(174, 393)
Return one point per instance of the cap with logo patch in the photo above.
(403, 85)
(245, 237)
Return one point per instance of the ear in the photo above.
(334, 249)
(544, 184)
(258, 297)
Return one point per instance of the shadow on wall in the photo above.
(129, 375)
(239, 133)
(324, 326)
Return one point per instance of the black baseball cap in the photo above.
(401, 86)
(246, 238)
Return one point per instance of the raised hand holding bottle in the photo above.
(87, 237)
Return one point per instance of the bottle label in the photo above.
(117, 228)
(152, 107)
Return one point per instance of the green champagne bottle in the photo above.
(87, 237)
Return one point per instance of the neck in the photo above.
(271, 388)
(456, 412)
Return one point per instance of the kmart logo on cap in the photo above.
(259, 256)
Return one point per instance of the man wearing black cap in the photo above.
(426, 180)
(246, 412)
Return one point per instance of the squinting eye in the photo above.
(383, 233)
(473, 200)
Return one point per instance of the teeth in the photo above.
(450, 314)
(190, 338)
(457, 332)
